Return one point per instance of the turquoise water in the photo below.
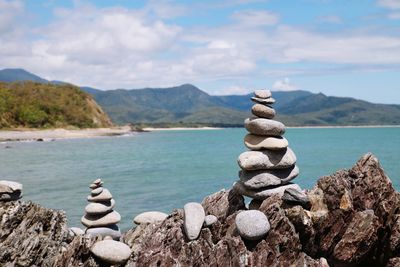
(164, 170)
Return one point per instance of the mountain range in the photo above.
(190, 106)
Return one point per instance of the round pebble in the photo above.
(112, 252)
(252, 224)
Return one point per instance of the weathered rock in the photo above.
(263, 111)
(264, 193)
(10, 190)
(105, 195)
(264, 178)
(102, 220)
(260, 126)
(252, 224)
(267, 159)
(294, 195)
(77, 231)
(259, 142)
(150, 217)
(112, 252)
(223, 203)
(98, 208)
(210, 219)
(194, 218)
(112, 231)
(97, 191)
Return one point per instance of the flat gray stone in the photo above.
(97, 191)
(110, 251)
(210, 219)
(267, 159)
(260, 142)
(77, 231)
(252, 224)
(260, 126)
(150, 217)
(262, 93)
(9, 186)
(108, 219)
(263, 111)
(296, 196)
(97, 181)
(98, 208)
(266, 101)
(193, 219)
(264, 178)
(263, 193)
(105, 195)
(112, 231)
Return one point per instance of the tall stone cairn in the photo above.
(100, 218)
(270, 165)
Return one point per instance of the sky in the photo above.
(337, 47)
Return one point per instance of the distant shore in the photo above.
(52, 134)
(151, 129)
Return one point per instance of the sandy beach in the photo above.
(46, 135)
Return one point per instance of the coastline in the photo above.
(53, 134)
(153, 129)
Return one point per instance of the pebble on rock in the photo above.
(103, 220)
(260, 126)
(105, 195)
(264, 178)
(262, 93)
(267, 159)
(193, 219)
(112, 231)
(97, 191)
(252, 224)
(259, 142)
(112, 252)
(10, 190)
(150, 217)
(210, 219)
(264, 193)
(265, 101)
(263, 111)
(100, 207)
(77, 231)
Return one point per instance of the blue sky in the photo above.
(337, 47)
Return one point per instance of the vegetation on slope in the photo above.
(44, 105)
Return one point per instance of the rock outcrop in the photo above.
(353, 220)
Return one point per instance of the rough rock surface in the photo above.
(353, 220)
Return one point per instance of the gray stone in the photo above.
(263, 193)
(105, 195)
(94, 186)
(150, 217)
(100, 207)
(266, 101)
(260, 142)
(112, 252)
(10, 196)
(193, 219)
(263, 111)
(9, 186)
(296, 196)
(252, 224)
(77, 231)
(97, 191)
(260, 126)
(267, 159)
(111, 230)
(264, 178)
(262, 93)
(210, 219)
(97, 181)
(103, 220)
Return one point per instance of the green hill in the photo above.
(45, 105)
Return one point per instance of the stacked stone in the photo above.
(100, 218)
(270, 164)
(10, 190)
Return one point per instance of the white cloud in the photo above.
(394, 15)
(284, 85)
(255, 18)
(392, 4)
(10, 12)
(233, 90)
(333, 19)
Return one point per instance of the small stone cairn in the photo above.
(10, 191)
(100, 218)
(270, 165)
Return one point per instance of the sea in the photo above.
(163, 170)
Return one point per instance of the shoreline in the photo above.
(154, 129)
(54, 134)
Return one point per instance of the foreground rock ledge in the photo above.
(354, 220)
